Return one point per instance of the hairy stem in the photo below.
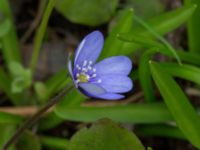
(28, 123)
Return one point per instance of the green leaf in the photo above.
(160, 130)
(73, 98)
(29, 141)
(166, 22)
(184, 114)
(5, 25)
(89, 12)
(113, 46)
(9, 118)
(54, 142)
(41, 91)
(39, 35)
(10, 45)
(193, 27)
(145, 75)
(5, 84)
(50, 121)
(153, 8)
(161, 24)
(55, 83)
(7, 131)
(145, 42)
(22, 78)
(137, 113)
(187, 72)
(104, 135)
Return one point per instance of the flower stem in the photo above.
(28, 123)
(40, 34)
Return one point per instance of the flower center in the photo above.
(82, 77)
(86, 73)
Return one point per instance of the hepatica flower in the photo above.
(107, 79)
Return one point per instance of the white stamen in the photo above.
(84, 70)
(77, 81)
(94, 70)
(99, 81)
(78, 67)
(90, 62)
(84, 63)
(89, 67)
(77, 75)
(94, 75)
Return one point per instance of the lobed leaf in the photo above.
(92, 13)
(105, 134)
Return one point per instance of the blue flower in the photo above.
(106, 79)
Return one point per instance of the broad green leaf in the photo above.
(187, 72)
(7, 131)
(54, 142)
(153, 8)
(105, 135)
(29, 141)
(113, 46)
(137, 113)
(9, 118)
(193, 27)
(89, 12)
(145, 75)
(178, 104)
(10, 45)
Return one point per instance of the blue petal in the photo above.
(109, 96)
(90, 48)
(70, 67)
(113, 83)
(71, 72)
(91, 89)
(114, 65)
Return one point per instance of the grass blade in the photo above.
(187, 72)
(10, 45)
(145, 75)
(184, 114)
(113, 45)
(193, 27)
(137, 113)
